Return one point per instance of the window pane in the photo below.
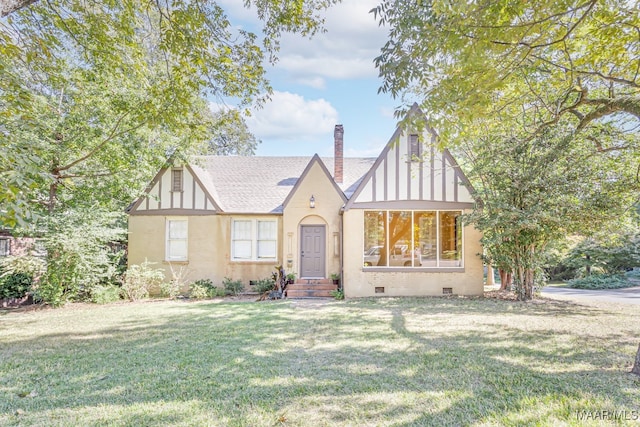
(177, 229)
(266, 249)
(400, 248)
(425, 238)
(242, 249)
(242, 230)
(450, 239)
(266, 230)
(375, 235)
(4, 247)
(177, 249)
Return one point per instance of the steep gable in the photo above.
(317, 176)
(412, 169)
(192, 196)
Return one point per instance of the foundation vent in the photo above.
(447, 291)
(379, 289)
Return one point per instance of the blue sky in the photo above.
(322, 82)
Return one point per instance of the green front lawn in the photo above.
(368, 362)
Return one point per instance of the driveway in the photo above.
(621, 296)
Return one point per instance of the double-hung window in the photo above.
(177, 239)
(254, 240)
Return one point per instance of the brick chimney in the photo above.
(338, 161)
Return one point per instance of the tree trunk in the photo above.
(490, 279)
(636, 364)
(506, 279)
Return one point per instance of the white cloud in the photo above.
(346, 50)
(288, 116)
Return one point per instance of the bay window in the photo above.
(413, 239)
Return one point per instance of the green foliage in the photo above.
(264, 285)
(232, 287)
(206, 287)
(198, 291)
(78, 255)
(84, 125)
(231, 135)
(105, 294)
(291, 277)
(15, 285)
(338, 294)
(609, 253)
(601, 281)
(526, 65)
(534, 192)
(139, 279)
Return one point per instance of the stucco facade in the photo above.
(389, 226)
(401, 281)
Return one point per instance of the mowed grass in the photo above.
(400, 362)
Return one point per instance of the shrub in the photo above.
(104, 294)
(15, 285)
(232, 287)
(18, 275)
(211, 290)
(600, 281)
(139, 279)
(264, 285)
(198, 291)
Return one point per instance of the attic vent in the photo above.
(414, 147)
(379, 289)
(447, 291)
(176, 180)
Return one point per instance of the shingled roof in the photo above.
(260, 184)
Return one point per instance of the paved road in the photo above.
(621, 296)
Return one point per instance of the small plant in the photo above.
(139, 279)
(338, 294)
(291, 278)
(104, 294)
(204, 288)
(198, 291)
(335, 277)
(264, 285)
(232, 287)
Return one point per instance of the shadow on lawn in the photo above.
(345, 363)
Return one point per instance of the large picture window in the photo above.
(412, 239)
(177, 238)
(254, 240)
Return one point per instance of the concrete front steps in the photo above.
(311, 288)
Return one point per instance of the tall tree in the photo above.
(93, 95)
(532, 64)
(231, 135)
(539, 190)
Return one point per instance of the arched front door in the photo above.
(312, 251)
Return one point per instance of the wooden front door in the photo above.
(312, 251)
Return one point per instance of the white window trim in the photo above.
(166, 240)
(254, 241)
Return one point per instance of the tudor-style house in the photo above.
(389, 225)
